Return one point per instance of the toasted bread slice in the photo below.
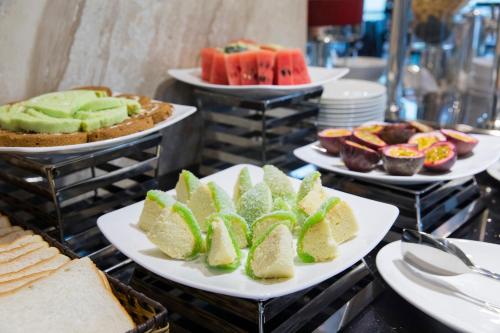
(143, 100)
(75, 290)
(45, 265)
(21, 241)
(9, 238)
(129, 126)
(27, 260)
(19, 251)
(7, 230)
(159, 111)
(13, 139)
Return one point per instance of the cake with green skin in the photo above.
(61, 104)
(279, 184)
(222, 248)
(156, 203)
(208, 199)
(271, 256)
(177, 233)
(342, 222)
(262, 224)
(243, 184)
(316, 242)
(255, 202)
(310, 196)
(281, 204)
(186, 186)
(239, 228)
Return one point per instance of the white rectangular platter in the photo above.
(119, 227)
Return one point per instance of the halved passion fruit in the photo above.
(368, 139)
(397, 133)
(332, 138)
(357, 157)
(440, 156)
(425, 140)
(421, 128)
(374, 128)
(402, 160)
(463, 142)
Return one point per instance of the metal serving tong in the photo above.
(438, 255)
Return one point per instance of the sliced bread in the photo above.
(4, 221)
(73, 299)
(27, 260)
(19, 251)
(9, 238)
(21, 241)
(7, 230)
(44, 265)
(17, 283)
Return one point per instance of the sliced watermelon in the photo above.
(299, 68)
(207, 55)
(233, 68)
(248, 61)
(218, 73)
(283, 69)
(265, 66)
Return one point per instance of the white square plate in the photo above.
(119, 227)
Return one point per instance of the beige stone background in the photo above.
(128, 45)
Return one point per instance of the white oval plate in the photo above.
(180, 112)
(120, 228)
(348, 90)
(443, 297)
(485, 154)
(319, 76)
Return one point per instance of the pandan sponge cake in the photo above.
(262, 224)
(186, 186)
(243, 184)
(208, 199)
(156, 203)
(239, 228)
(279, 183)
(222, 248)
(316, 242)
(177, 233)
(255, 202)
(342, 220)
(271, 256)
(310, 196)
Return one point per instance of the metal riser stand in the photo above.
(194, 310)
(65, 194)
(254, 129)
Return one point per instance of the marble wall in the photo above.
(128, 45)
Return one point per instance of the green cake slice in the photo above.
(279, 183)
(7, 116)
(255, 202)
(156, 203)
(281, 204)
(186, 185)
(316, 242)
(177, 234)
(61, 104)
(238, 227)
(271, 256)
(342, 221)
(262, 224)
(222, 249)
(32, 120)
(310, 196)
(243, 184)
(105, 103)
(92, 121)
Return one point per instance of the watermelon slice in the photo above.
(218, 71)
(283, 69)
(233, 68)
(265, 66)
(299, 68)
(207, 55)
(248, 61)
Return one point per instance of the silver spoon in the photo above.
(438, 255)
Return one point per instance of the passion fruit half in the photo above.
(357, 157)
(332, 138)
(463, 142)
(397, 133)
(440, 156)
(374, 128)
(368, 139)
(425, 140)
(421, 128)
(402, 160)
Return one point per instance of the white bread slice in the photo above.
(4, 221)
(45, 265)
(17, 283)
(7, 230)
(21, 241)
(9, 238)
(27, 260)
(19, 251)
(71, 300)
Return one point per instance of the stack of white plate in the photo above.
(350, 103)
